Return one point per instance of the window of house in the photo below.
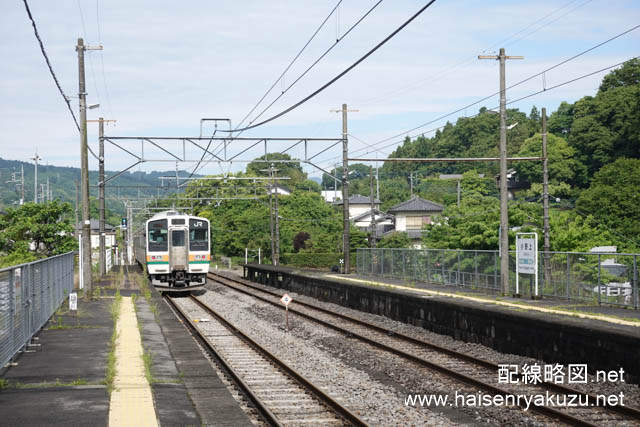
(417, 222)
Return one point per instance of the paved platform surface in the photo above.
(61, 382)
(617, 318)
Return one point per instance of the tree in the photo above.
(614, 199)
(563, 167)
(395, 240)
(299, 241)
(292, 170)
(34, 231)
(627, 75)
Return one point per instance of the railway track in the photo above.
(473, 371)
(281, 395)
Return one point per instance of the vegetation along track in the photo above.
(281, 395)
(473, 371)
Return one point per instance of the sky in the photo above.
(166, 64)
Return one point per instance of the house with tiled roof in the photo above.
(411, 217)
(359, 204)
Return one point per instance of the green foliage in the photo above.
(563, 167)
(614, 198)
(292, 170)
(47, 227)
(395, 240)
(315, 260)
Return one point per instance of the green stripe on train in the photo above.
(198, 262)
(157, 262)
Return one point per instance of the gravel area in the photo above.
(406, 378)
(373, 399)
(631, 392)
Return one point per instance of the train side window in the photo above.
(177, 238)
(158, 234)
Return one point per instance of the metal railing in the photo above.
(29, 295)
(599, 278)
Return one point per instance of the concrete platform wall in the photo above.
(537, 335)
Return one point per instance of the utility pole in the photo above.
(22, 184)
(77, 203)
(504, 214)
(102, 257)
(411, 183)
(35, 185)
(277, 221)
(374, 230)
(345, 188)
(84, 164)
(102, 261)
(48, 191)
(545, 199)
(273, 238)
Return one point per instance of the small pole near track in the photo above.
(286, 300)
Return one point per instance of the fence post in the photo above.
(568, 276)
(382, 263)
(404, 275)
(475, 269)
(635, 281)
(495, 270)
(428, 268)
(442, 265)
(458, 282)
(599, 294)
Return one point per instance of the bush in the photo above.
(315, 260)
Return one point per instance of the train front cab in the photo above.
(178, 253)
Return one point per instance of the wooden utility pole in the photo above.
(545, 200)
(84, 167)
(504, 214)
(22, 184)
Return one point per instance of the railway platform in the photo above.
(65, 377)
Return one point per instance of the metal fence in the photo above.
(599, 278)
(29, 295)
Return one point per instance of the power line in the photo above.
(513, 85)
(522, 98)
(93, 74)
(338, 40)
(291, 63)
(446, 71)
(339, 76)
(44, 53)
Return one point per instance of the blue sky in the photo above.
(167, 64)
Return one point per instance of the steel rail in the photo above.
(317, 391)
(261, 407)
(623, 410)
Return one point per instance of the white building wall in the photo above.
(401, 222)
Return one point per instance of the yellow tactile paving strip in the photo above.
(492, 301)
(131, 399)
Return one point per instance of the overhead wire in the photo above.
(338, 39)
(46, 58)
(290, 63)
(342, 74)
(463, 62)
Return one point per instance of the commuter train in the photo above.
(176, 250)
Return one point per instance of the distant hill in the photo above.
(62, 182)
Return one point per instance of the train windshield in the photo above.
(198, 235)
(177, 238)
(158, 236)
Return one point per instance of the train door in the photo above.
(178, 249)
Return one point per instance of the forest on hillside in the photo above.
(594, 166)
(594, 172)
